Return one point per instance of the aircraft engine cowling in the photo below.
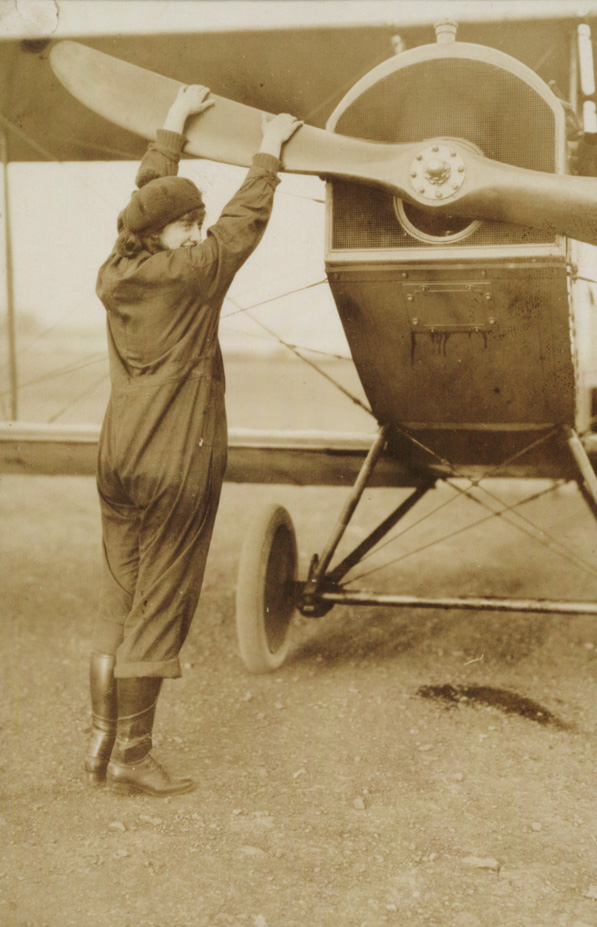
(458, 91)
(459, 328)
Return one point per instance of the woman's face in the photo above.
(183, 233)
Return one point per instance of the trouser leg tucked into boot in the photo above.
(104, 712)
(132, 768)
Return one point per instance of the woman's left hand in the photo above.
(190, 100)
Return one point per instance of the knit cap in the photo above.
(160, 202)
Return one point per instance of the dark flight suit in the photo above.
(163, 443)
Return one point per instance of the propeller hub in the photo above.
(437, 172)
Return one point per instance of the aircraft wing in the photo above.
(305, 71)
(294, 457)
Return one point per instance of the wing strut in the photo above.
(10, 308)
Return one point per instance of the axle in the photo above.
(470, 603)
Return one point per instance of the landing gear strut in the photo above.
(268, 591)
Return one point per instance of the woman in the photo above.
(163, 443)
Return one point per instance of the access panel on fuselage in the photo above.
(469, 344)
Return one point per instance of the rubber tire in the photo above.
(264, 597)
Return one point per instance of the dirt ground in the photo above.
(389, 773)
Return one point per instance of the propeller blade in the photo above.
(137, 100)
(447, 175)
(558, 203)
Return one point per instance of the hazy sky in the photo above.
(64, 225)
(64, 215)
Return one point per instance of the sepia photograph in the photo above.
(298, 463)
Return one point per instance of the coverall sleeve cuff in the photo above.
(171, 144)
(162, 157)
(267, 161)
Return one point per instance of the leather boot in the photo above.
(132, 768)
(104, 711)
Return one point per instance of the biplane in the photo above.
(452, 252)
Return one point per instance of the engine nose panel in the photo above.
(453, 96)
(456, 91)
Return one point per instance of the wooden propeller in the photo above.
(449, 176)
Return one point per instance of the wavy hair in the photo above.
(128, 244)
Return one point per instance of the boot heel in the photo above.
(122, 788)
(95, 778)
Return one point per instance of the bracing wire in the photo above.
(566, 555)
(492, 470)
(549, 540)
(575, 277)
(49, 156)
(342, 389)
(399, 534)
(59, 372)
(541, 536)
(120, 153)
(77, 399)
(246, 292)
(43, 334)
(339, 92)
(299, 347)
(301, 196)
(428, 450)
(240, 309)
(544, 57)
(430, 544)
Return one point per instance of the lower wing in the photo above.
(299, 458)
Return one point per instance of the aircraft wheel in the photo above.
(265, 593)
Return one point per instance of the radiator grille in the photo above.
(455, 97)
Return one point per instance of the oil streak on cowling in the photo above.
(439, 341)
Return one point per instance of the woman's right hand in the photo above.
(277, 130)
(193, 98)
